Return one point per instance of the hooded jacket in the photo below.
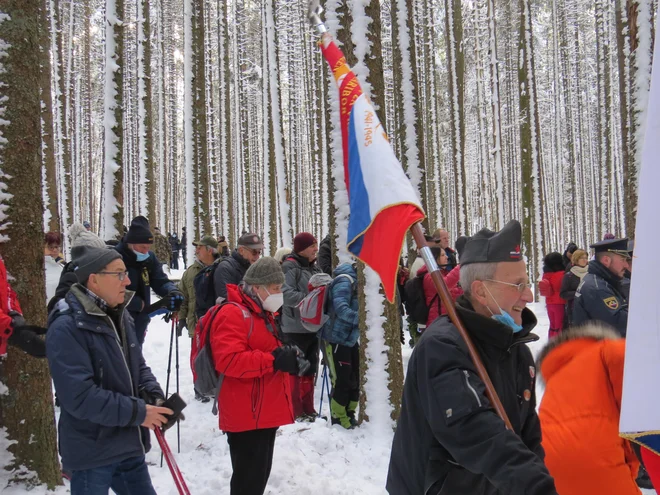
(98, 371)
(449, 440)
(343, 327)
(599, 298)
(252, 395)
(297, 272)
(579, 413)
(187, 288)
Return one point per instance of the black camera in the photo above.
(303, 364)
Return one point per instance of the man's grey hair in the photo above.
(476, 271)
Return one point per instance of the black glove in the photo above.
(17, 319)
(179, 327)
(286, 359)
(26, 338)
(174, 300)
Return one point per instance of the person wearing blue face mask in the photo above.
(449, 439)
(146, 273)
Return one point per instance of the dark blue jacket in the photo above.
(144, 275)
(599, 298)
(342, 328)
(97, 385)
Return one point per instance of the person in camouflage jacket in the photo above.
(162, 248)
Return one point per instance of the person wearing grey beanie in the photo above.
(109, 399)
(247, 351)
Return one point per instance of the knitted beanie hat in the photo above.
(90, 260)
(265, 271)
(81, 237)
(139, 232)
(302, 241)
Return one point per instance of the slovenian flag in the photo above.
(383, 202)
(640, 417)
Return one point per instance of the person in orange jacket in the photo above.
(579, 413)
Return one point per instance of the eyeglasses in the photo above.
(120, 275)
(256, 252)
(53, 246)
(520, 287)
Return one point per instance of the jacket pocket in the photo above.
(462, 394)
(437, 469)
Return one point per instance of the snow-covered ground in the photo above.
(309, 458)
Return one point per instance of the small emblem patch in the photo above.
(532, 371)
(527, 394)
(449, 413)
(611, 302)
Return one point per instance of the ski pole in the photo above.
(175, 320)
(169, 369)
(171, 463)
(323, 381)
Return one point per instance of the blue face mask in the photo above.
(141, 256)
(504, 317)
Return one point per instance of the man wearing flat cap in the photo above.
(146, 273)
(108, 396)
(599, 296)
(449, 439)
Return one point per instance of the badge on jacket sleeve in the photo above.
(611, 302)
(532, 371)
(527, 394)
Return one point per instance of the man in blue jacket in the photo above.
(146, 273)
(599, 296)
(341, 349)
(107, 394)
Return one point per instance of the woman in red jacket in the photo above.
(254, 398)
(550, 287)
(436, 308)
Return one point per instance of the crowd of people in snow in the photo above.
(261, 327)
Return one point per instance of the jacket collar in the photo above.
(88, 304)
(301, 260)
(492, 332)
(235, 294)
(242, 261)
(600, 270)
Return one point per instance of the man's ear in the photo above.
(478, 291)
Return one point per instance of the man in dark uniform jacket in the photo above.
(449, 440)
(599, 296)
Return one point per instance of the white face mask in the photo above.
(273, 302)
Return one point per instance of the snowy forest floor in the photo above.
(309, 458)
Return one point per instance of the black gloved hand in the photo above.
(286, 359)
(174, 300)
(179, 327)
(26, 338)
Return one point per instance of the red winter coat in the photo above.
(253, 395)
(8, 302)
(436, 308)
(550, 287)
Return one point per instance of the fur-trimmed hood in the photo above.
(595, 331)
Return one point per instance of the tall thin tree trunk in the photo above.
(26, 410)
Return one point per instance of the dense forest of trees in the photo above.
(220, 115)
(216, 113)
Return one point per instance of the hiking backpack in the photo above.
(204, 286)
(415, 302)
(206, 379)
(315, 309)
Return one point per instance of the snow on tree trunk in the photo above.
(531, 180)
(113, 187)
(26, 410)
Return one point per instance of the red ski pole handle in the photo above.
(171, 463)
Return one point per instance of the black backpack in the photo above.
(415, 302)
(205, 289)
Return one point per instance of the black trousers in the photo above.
(251, 459)
(345, 373)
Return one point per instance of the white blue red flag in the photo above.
(383, 202)
(640, 408)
